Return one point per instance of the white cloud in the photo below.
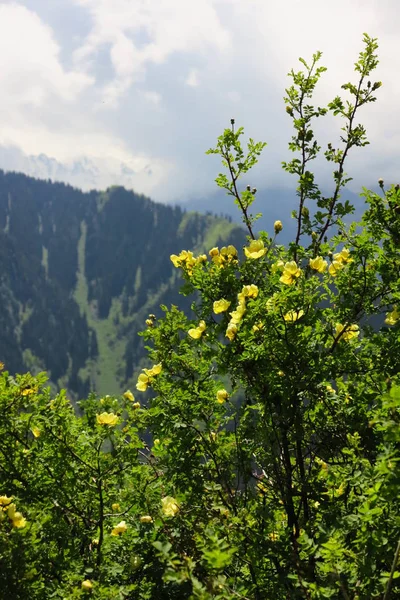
(30, 70)
(192, 80)
(167, 26)
(43, 113)
(153, 97)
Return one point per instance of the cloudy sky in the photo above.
(132, 92)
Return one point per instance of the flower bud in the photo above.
(305, 212)
(254, 191)
(248, 188)
(380, 182)
(278, 226)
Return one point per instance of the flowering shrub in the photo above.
(275, 411)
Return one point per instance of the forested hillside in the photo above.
(81, 271)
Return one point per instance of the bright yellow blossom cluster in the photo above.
(36, 431)
(187, 260)
(340, 259)
(293, 315)
(222, 395)
(226, 255)
(349, 332)
(129, 396)
(197, 332)
(106, 418)
(318, 264)
(87, 585)
(248, 292)
(169, 506)
(9, 508)
(393, 317)
(221, 306)
(119, 529)
(146, 519)
(290, 273)
(145, 378)
(255, 249)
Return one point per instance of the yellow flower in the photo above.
(149, 322)
(175, 260)
(197, 332)
(281, 373)
(335, 267)
(28, 391)
(116, 507)
(201, 259)
(392, 317)
(248, 291)
(169, 506)
(258, 326)
(293, 315)
(290, 272)
(255, 249)
(237, 315)
(2, 365)
(213, 252)
(156, 442)
(143, 382)
(146, 519)
(317, 504)
(87, 585)
(120, 528)
(222, 395)
(277, 266)
(231, 250)
(185, 259)
(231, 331)
(349, 332)
(36, 431)
(330, 389)
(136, 405)
(129, 396)
(221, 306)
(318, 264)
(19, 521)
(5, 500)
(343, 256)
(107, 419)
(273, 537)
(144, 379)
(11, 510)
(227, 254)
(155, 370)
(278, 226)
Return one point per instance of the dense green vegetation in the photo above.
(271, 411)
(80, 273)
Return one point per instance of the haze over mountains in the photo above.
(80, 272)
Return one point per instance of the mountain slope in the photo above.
(81, 271)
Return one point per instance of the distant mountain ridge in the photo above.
(81, 271)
